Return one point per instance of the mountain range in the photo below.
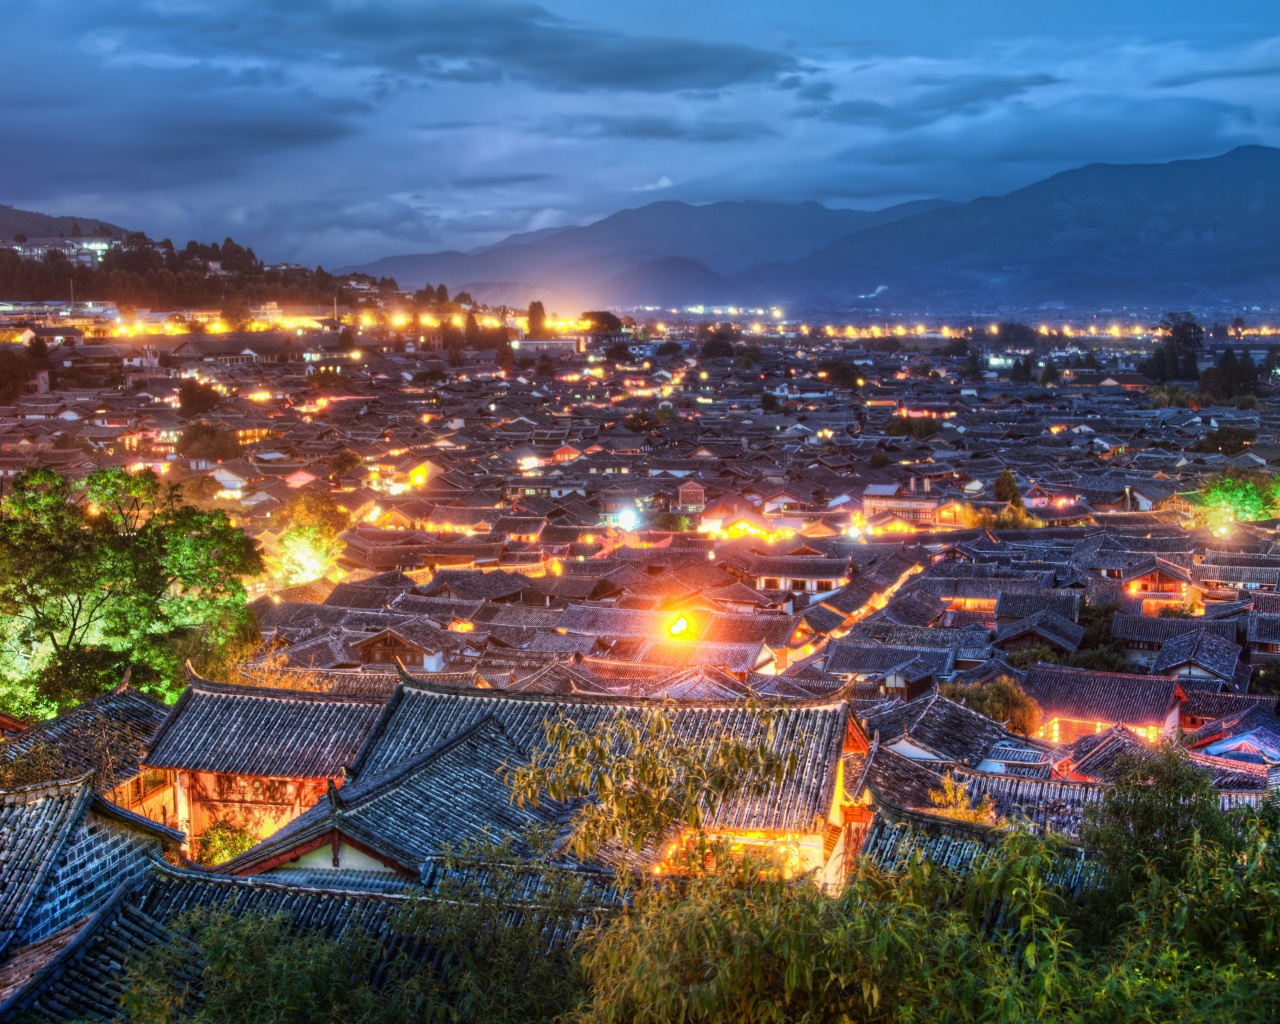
(1187, 234)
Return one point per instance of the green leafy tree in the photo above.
(668, 349)
(841, 373)
(220, 841)
(1231, 379)
(1161, 804)
(114, 575)
(315, 508)
(310, 542)
(537, 320)
(1240, 498)
(1176, 358)
(618, 352)
(345, 461)
(907, 426)
(207, 443)
(1049, 374)
(643, 422)
(306, 553)
(1002, 700)
(634, 778)
(195, 398)
(1171, 395)
(603, 322)
(952, 801)
(1006, 488)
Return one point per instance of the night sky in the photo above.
(341, 131)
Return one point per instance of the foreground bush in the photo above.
(1177, 921)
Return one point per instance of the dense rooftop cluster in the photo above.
(863, 542)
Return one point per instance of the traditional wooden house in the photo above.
(1200, 657)
(256, 757)
(1043, 628)
(933, 728)
(691, 497)
(105, 738)
(392, 828)
(813, 575)
(898, 671)
(415, 643)
(802, 818)
(1077, 702)
(1144, 635)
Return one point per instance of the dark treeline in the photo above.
(161, 276)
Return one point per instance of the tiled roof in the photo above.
(1085, 695)
(853, 657)
(244, 730)
(35, 822)
(451, 794)
(950, 731)
(109, 731)
(1155, 629)
(1047, 625)
(79, 972)
(421, 715)
(1198, 647)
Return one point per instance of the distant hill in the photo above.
(626, 258)
(42, 225)
(1193, 233)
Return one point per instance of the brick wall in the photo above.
(98, 856)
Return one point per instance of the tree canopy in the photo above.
(603, 322)
(204, 441)
(117, 573)
(195, 398)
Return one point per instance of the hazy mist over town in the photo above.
(552, 512)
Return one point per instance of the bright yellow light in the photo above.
(679, 626)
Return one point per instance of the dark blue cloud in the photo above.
(671, 129)
(340, 130)
(940, 97)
